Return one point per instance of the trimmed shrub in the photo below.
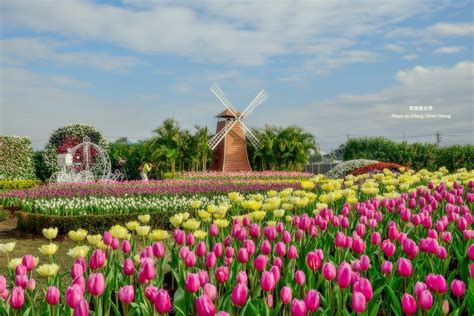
(18, 184)
(68, 137)
(16, 158)
(416, 156)
(34, 223)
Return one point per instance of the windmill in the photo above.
(228, 144)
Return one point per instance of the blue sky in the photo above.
(335, 68)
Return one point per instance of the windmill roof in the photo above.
(227, 113)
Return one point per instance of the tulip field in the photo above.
(388, 243)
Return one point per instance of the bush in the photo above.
(4, 215)
(18, 184)
(16, 158)
(133, 154)
(416, 156)
(41, 169)
(68, 137)
(34, 223)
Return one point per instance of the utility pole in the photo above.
(438, 138)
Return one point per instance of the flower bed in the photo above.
(346, 167)
(288, 252)
(268, 175)
(379, 166)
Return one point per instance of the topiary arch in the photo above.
(68, 137)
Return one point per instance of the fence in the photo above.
(320, 167)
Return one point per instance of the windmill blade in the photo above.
(214, 141)
(259, 99)
(216, 90)
(248, 134)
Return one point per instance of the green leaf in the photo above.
(397, 308)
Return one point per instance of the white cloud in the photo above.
(243, 32)
(448, 49)
(22, 50)
(447, 89)
(410, 57)
(394, 48)
(452, 29)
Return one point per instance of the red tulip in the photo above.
(344, 275)
(267, 281)
(298, 308)
(358, 302)
(126, 294)
(312, 300)
(162, 301)
(285, 294)
(409, 305)
(52, 295)
(239, 294)
(96, 284)
(204, 306)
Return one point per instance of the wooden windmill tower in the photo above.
(230, 149)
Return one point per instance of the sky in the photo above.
(339, 69)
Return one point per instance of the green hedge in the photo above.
(16, 158)
(416, 156)
(18, 184)
(132, 153)
(34, 223)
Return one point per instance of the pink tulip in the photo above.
(280, 249)
(386, 267)
(211, 260)
(267, 282)
(365, 287)
(158, 249)
(312, 300)
(260, 262)
(96, 284)
(344, 275)
(218, 249)
(3, 283)
(470, 252)
(31, 285)
(190, 239)
(292, 252)
(425, 300)
(204, 306)
(298, 308)
(213, 230)
(126, 294)
(266, 247)
(285, 294)
(404, 268)
(276, 273)
(201, 249)
(471, 270)
(179, 236)
(300, 277)
(150, 292)
(21, 281)
(329, 271)
(409, 305)
(17, 297)
(82, 308)
(192, 283)
(358, 302)
(313, 261)
(210, 290)
(115, 244)
(76, 270)
(97, 259)
(162, 301)
(190, 260)
(239, 294)
(73, 295)
(250, 245)
(21, 270)
(458, 287)
(222, 274)
(242, 277)
(107, 238)
(29, 262)
(243, 255)
(128, 267)
(375, 238)
(52, 295)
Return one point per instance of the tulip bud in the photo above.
(409, 305)
(404, 268)
(73, 295)
(128, 267)
(445, 307)
(260, 262)
(267, 282)
(52, 295)
(298, 308)
(312, 300)
(285, 294)
(201, 249)
(358, 302)
(344, 275)
(96, 284)
(458, 287)
(329, 271)
(162, 301)
(17, 297)
(192, 283)
(300, 277)
(210, 290)
(239, 294)
(204, 306)
(126, 294)
(82, 308)
(425, 299)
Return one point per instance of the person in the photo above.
(121, 166)
(145, 168)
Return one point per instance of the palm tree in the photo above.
(202, 136)
(165, 145)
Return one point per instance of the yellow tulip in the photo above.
(258, 215)
(204, 215)
(14, 262)
(47, 270)
(101, 245)
(195, 204)
(200, 234)
(50, 233)
(221, 223)
(7, 248)
(143, 230)
(144, 218)
(176, 220)
(118, 231)
(77, 235)
(94, 239)
(191, 224)
(132, 225)
(49, 249)
(78, 251)
(279, 213)
(159, 234)
(288, 218)
(307, 185)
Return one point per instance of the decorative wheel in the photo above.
(89, 161)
